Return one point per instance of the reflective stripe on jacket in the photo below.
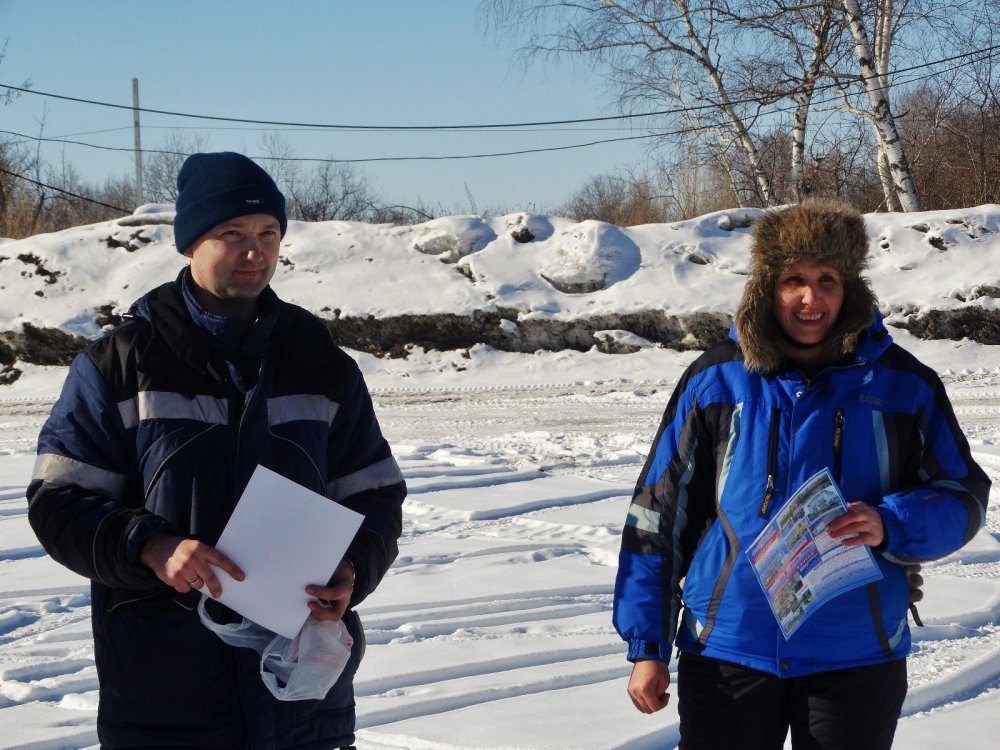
(150, 435)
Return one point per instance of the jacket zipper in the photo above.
(838, 442)
(241, 399)
(772, 461)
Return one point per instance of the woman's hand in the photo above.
(861, 524)
(648, 685)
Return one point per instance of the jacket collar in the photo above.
(186, 347)
(233, 338)
(871, 344)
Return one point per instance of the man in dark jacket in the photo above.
(158, 429)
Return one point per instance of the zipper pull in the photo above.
(768, 496)
(838, 443)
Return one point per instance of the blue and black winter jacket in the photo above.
(158, 429)
(732, 447)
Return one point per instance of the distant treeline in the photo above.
(953, 150)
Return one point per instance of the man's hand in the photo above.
(861, 524)
(185, 564)
(648, 685)
(335, 596)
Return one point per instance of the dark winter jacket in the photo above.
(880, 422)
(158, 429)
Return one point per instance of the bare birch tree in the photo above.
(874, 33)
(729, 69)
(792, 48)
(656, 52)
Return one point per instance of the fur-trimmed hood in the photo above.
(828, 233)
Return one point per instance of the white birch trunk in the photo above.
(875, 73)
(799, 147)
(699, 51)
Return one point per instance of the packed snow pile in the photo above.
(519, 282)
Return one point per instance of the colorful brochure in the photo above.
(799, 565)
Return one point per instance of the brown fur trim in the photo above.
(824, 232)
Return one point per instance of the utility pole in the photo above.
(138, 142)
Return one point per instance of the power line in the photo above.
(982, 53)
(689, 130)
(64, 192)
(453, 157)
(361, 160)
(322, 126)
(979, 54)
(519, 152)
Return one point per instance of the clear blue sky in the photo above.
(358, 62)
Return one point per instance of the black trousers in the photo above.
(724, 705)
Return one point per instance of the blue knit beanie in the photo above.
(213, 188)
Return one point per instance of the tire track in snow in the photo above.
(46, 649)
(452, 695)
(503, 517)
(519, 640)
(486, 666)
(448, 621)
(974, 676)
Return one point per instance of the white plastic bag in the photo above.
(303, 668)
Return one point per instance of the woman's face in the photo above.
(807, 301)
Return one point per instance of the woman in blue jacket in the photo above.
(808, 380)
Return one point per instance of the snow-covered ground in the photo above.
(492, 630)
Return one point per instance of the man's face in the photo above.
(233, 262)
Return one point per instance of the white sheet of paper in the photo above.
(283, 536)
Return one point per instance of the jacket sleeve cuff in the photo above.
(144, 526)
(363, 585)
(893, 529)
(640, 650)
